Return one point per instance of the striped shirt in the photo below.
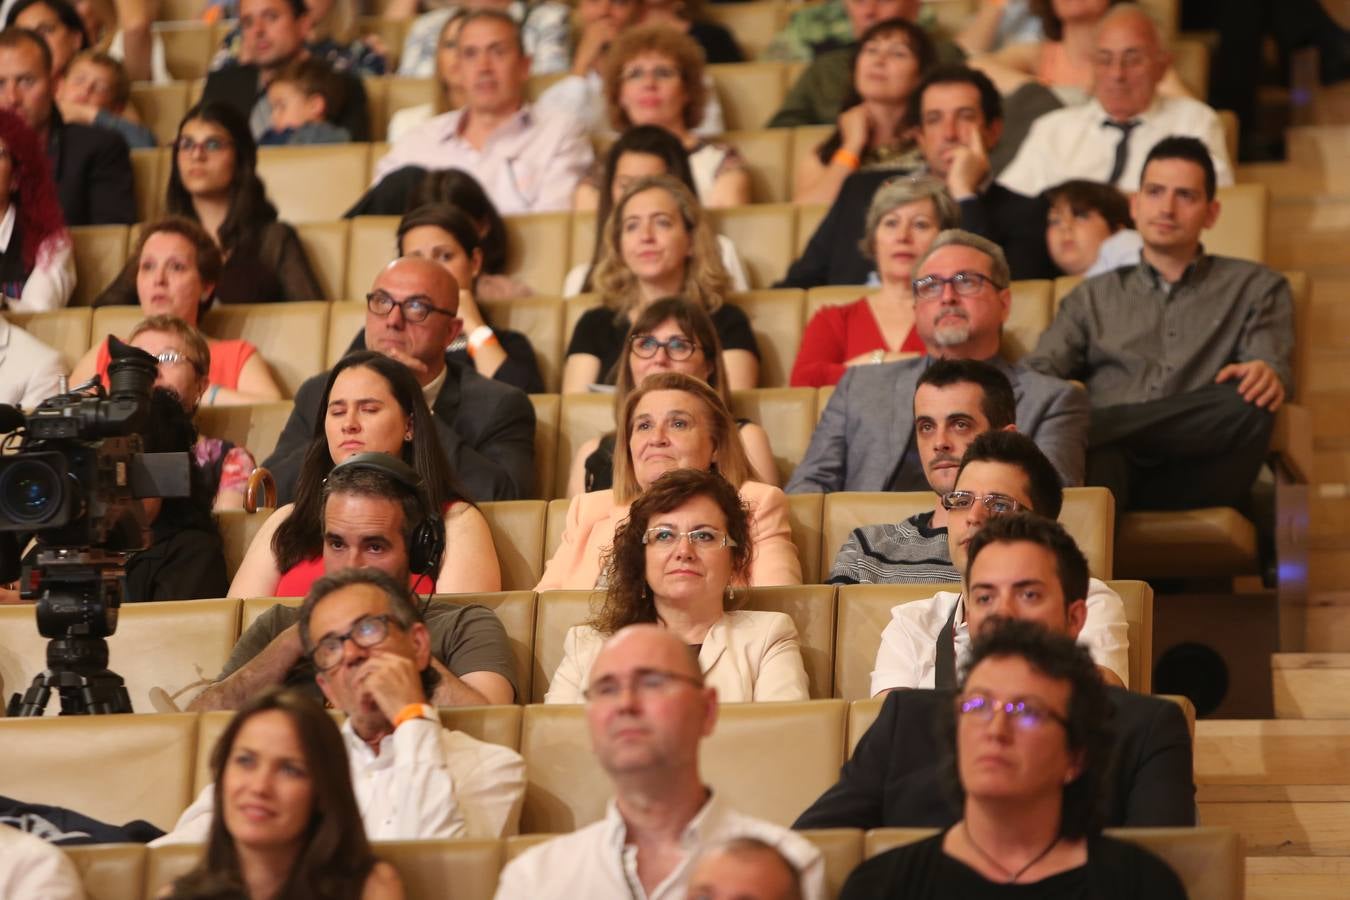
(908, 552)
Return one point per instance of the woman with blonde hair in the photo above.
(657, 243)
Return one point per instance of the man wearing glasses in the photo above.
(1026, 567)
(414, 779)
(486, 428)
(865, 438)
(648, 709)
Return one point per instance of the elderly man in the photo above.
(370, 519)
(413, 778)
(864, 441)
(648, 710)
(91, 166)
(527, 159)
(1107, 138)
(1022, 567)
(486, 428)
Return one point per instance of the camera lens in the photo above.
(30, 491)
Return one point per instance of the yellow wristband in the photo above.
(846, 158)
(413, 711)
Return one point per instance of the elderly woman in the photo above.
(905, 216)
(670, 335)
(673, 421)
(657, 244)
(674, 561)
(873, 128)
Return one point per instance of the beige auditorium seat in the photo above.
(288, 173)
(290, 336)
(762, 234)
(537, 84)
(242, 425)
(789, 417)
(112, 768)
(581, 417)
(811, 608)
(841, 849)
(401, 93)
(805, 140)
(253, 607)
(428, 868)
(100, 251)
(879, 840)
(237, 530)
(541, 320)
(1209, 861)
(546, 415)
(1241, 228)
(161, 107)
(555, 613)
(181, 10)
(555, 524)
(526, 235)
(518, 535)
(861, 715)
(188, 48)
(325, 245)
(864, 612)
(808, 219)
(749, 92)
(372, 243)
(574, 309)
(118, 320)
(64, 330)
(1137, 597)
(768, 157)
(583, 238)
(776, 317)
(804, 517)
(344, 321)
(110, 871)
(565, 787)
(163, 650)
(149, 175)
(754, 24)
(165, 864)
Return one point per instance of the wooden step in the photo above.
(1297, 877)
(1272, 752)
(1322, 146)
(1327, 622)
(1311, 685)
(1329, 509)
(1329, 566)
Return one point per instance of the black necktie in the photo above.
(1122, 148)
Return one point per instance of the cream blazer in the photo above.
(747, 655)
(592, 518)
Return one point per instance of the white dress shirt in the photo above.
(426, 783)
(531, 163)
(1076, 143)
(30, 371)
(907, 657)
(31, 867)
(598, 862)
(52, 280)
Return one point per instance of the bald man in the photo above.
(486, 428)
(648, 709)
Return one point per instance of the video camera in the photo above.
(75, 484)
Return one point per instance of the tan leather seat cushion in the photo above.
(1216, 541)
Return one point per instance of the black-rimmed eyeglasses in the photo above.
(966, 284)
(366, 632)
(677, 349)
(415, 309)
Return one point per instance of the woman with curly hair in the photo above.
(687, 540)
(657, 243)
(37, 264)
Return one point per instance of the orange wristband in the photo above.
(846, 158)
(413, 711)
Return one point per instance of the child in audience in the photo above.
(96, 91)
(1088, 228)
(300, 98)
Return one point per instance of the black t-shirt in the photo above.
(600, 333)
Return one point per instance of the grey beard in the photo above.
(951, 335)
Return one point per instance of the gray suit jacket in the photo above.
(869, 420)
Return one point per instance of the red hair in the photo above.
(39, 210)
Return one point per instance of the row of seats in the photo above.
(168, 651)
(1208, 861)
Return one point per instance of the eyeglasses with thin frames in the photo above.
(211, 146)
(1025, 715)
(699, 538)
(643, 683)
(997, 504)
(966, 284)
(173, 357)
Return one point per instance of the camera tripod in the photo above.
(77, 669)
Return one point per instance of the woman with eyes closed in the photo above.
(673, 421)
(905, 216)
(657, 243)
(371, 404)
(674, 561)
(671, 335)
(175, 273)
(285, 824)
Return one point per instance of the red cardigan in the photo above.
(835, 335)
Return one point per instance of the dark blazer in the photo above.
(485, 427)
(92, 168)
(239, 87)
(1014, 222)
(893, 780)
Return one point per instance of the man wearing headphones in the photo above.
(375, 515)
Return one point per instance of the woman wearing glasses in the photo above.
(670, 335)
(905, 216)
(673, 421)
(371, 403)
(214, 182)
(688, 539)
(174, 272)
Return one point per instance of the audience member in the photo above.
(414, 779)
(32, 867)
(672, 421)
(30, 371)
(123, 30)
(544, 25)
(174, 270)
(332, 37)
(864, 440)
(648, 709)
(1186, 356)
(37, 263)
(1001, 473)
(581, 93)
(821, 27)
(1106, 138)
(449, 89)
(958, 119)
(57, 22)
(91, 166)
(669, 335)
(955, 401)
(370, 403)
(998, 24)
(744, 868)
(717, 43)
(273, 37)
(377, 512)
(528, 159)
(872, 129)
(657, 243)
(674, 562)
(1031, 795)
(1088, 228)
(905, 216)
(895, 777)
(285, 820)
(96, 91)
(640, 151)
(300, 97)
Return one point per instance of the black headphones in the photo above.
(426, 546)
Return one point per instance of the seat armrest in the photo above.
(1292, 442)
